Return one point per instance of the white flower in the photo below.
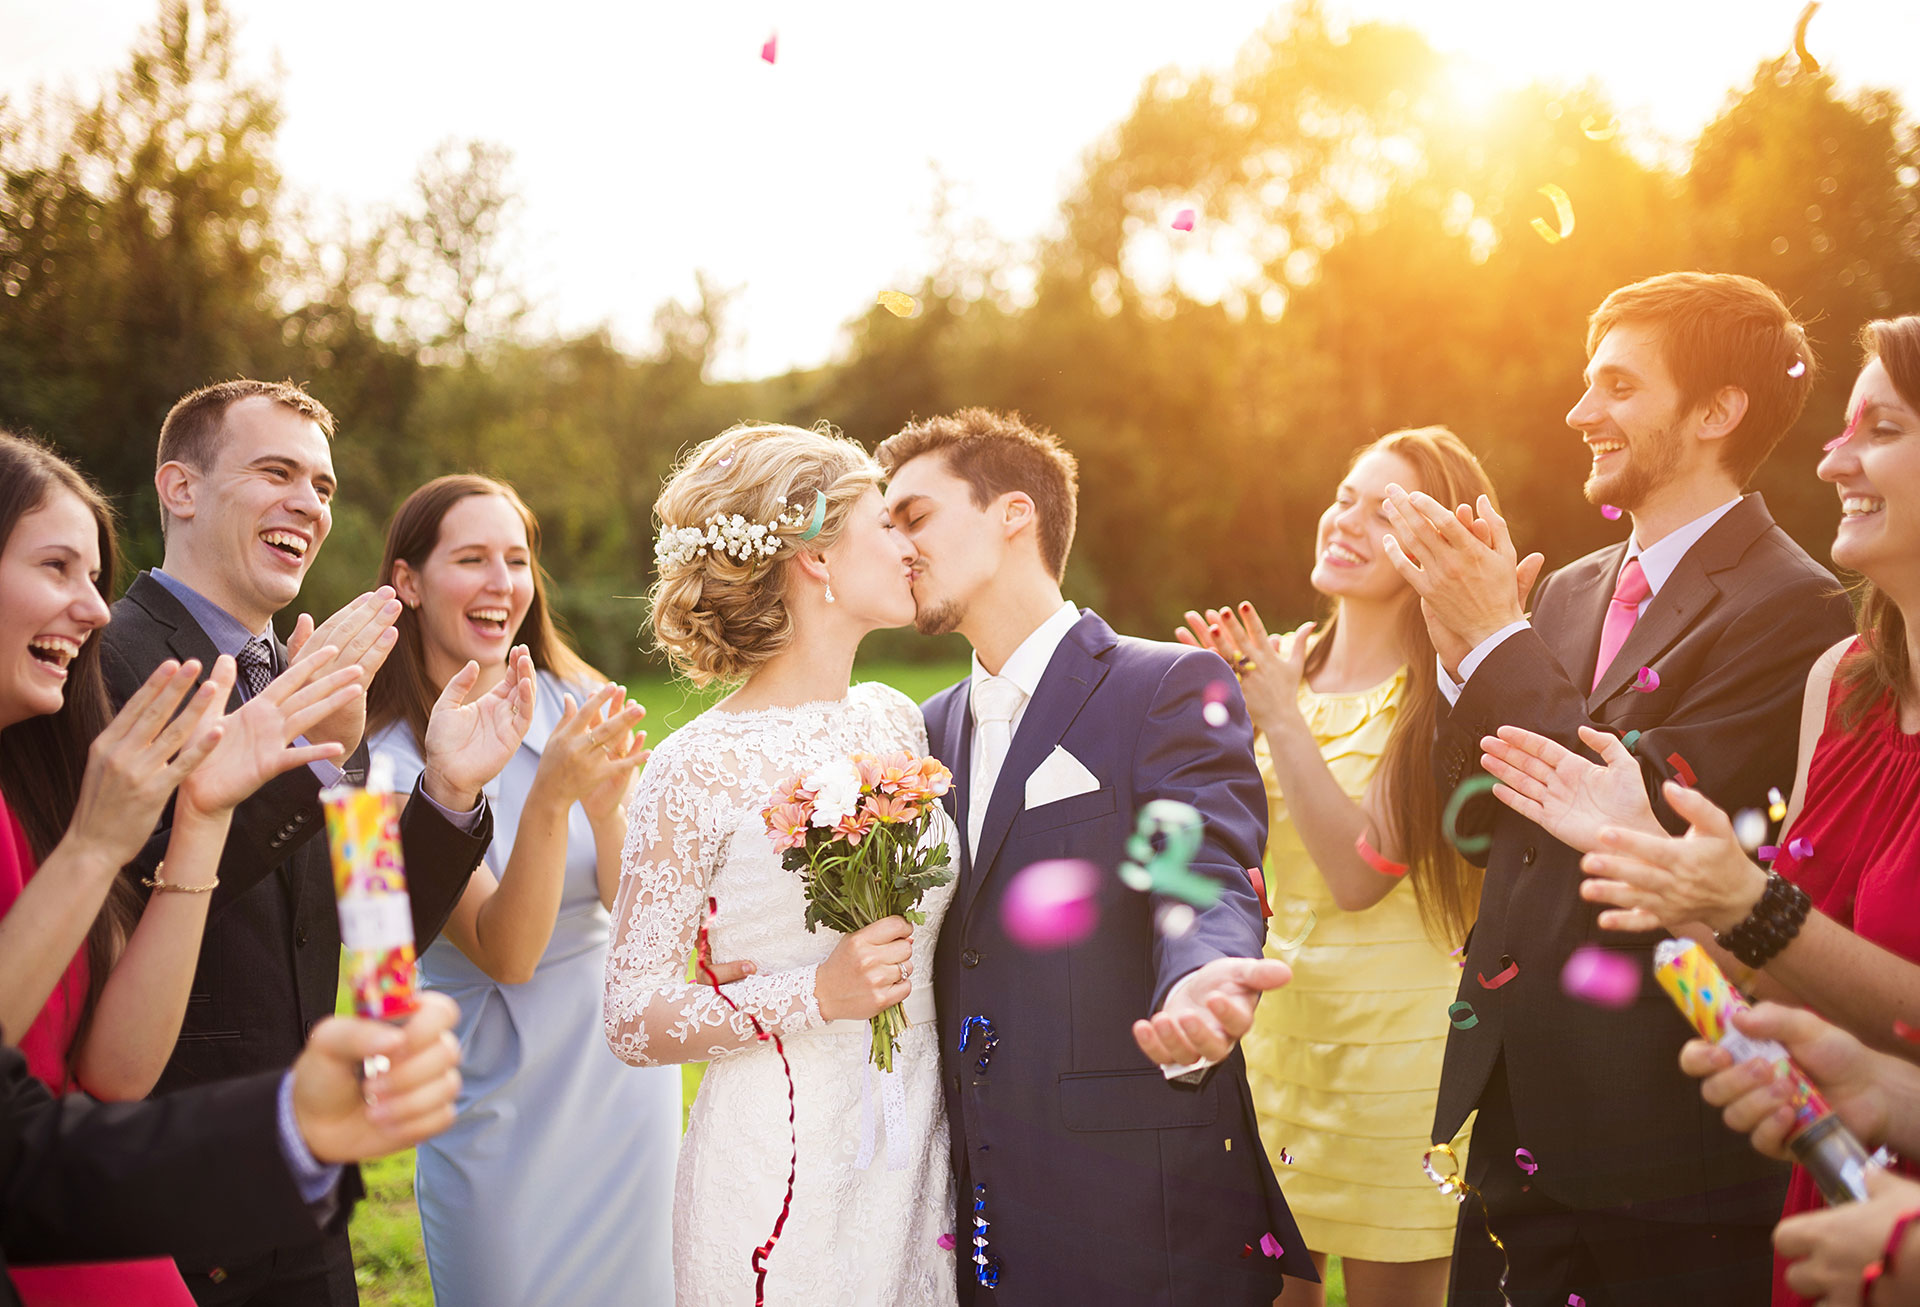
(836, 792)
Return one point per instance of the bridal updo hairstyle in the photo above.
(718, 617)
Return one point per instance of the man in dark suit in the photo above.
(246, 480)
(253, 1164)
(1084, 1173)
(1641, 1194)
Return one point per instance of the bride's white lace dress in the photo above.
(854, 1235)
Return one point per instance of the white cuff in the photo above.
(1471, 663)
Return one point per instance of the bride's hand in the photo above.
(867, 972)
(1563, 793)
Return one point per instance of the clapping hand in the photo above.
(345, 1120)
(1463, 565)
(1566, 795)
(1655, 881)
(256, 743)
(593, 754)
(468, 743)
(1752, 1096)
(360, 635)
(1208, 1010)
(135, 764)
(1270, 670)
(1827, 1251)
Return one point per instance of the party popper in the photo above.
(370, 885)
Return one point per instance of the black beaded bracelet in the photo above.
(1774, 921)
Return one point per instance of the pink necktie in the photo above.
(1628, 593)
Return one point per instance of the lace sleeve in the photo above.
(674, 845)
(901, 718)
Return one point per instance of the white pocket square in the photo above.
(1060, 776)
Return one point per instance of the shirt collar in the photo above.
(229, 636)
(1658, 560)
(1029, 662)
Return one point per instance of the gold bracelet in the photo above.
(160, 886)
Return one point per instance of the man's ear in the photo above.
(1722, 413)
(176, 484)
(1017, 512)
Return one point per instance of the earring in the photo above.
(829, 592)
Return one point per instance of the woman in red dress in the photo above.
(1844, 889)
(93, 987)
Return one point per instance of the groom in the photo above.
(1097, 1176)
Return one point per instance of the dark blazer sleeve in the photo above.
(1754, 678)
(440, 861)
(1180, 757)
(82, 1180)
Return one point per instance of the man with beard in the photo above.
(1691, 640)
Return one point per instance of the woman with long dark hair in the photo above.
(527, 1198)
(1368, 897)
(93, 987)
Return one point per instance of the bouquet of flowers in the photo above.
(853, 831)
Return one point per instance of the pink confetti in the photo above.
(1798, 370)
(1609, 512)
(1051, 904)
(1801, 849)
(1183, 221)
(1524, 1160)
(1600, 977)
(1767, 852)
(1575, 1300)
(771, 48)
(1853, 425)
(1216, 692)
(1270, 1246)
(1646, 680)
(945, 1241)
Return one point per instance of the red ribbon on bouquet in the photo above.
(703, 954)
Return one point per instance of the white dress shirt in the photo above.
(1024, 668)
(1657, 561)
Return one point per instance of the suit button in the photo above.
(310, 1026)
(970, 959)
(300, 937)
(1526, 858)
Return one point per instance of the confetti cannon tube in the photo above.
(370, 884)
(1822, 1144)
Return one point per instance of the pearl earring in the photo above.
(829, 592)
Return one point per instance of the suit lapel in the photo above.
(1574, 633)
(184, 637)
(956, 732)
(1063, 690)
(1686, 594)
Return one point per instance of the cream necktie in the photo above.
(995, 701)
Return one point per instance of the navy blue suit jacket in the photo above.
(1104, 1183)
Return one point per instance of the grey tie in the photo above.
(255, 664)
(995, 701)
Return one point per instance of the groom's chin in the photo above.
(937, 619)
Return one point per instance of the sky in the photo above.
(651, 141)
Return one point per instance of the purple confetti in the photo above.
(1800, 848)
(1051, 904)
(1270, 1246)
(1646, 680)
(1600, 977)
(1524, 1160)
(1767, 852)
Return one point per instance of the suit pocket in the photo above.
(1064, 812)
(1133, 1100)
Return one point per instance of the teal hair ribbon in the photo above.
(819, 516)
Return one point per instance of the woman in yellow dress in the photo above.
(1345, 1061)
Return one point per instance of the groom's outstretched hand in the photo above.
(1208, 1010)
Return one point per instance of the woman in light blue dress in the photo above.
(555, 1184)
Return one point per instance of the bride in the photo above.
(776, 557)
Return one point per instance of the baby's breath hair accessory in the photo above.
(737, 538)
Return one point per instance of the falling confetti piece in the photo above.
(1285, 1158)
(1853, 425)
(1601, 977)
(1216, 692)
(1183, 220)
(1051, 904)
(1287, 944)
(1270, 1246)
(1630, 739)
(899, 303)
(1906, 1032)
(1167, 869)
(1459, 957)
(1260, 890)
(945, 1241)
(1776, 805)
(1500, 977)
(1563, 211)
(1472, 844)
(1807, 62)
(771, 48)
(1801, 849)
(1682, 771)
(1767, 852)
(1750, 828)
(727, 461)
(1462, 1015)
(1575, 1300)
(1524, 1160)
(1215, 714)
(1454, 1185)
(1798, 370)
(1175, 920)
(1608, 511)
(1596, 130)
(1646, 680)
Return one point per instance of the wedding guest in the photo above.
(524, 1200)
(95, 986)
(1368, 897)
(1692, 379)
(1833, 924)
(246, 482)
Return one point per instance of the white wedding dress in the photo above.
(854, 1235)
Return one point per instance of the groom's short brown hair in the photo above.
(995, 453)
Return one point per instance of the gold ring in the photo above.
(1243, 664)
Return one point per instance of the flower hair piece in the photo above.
(737, 538)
